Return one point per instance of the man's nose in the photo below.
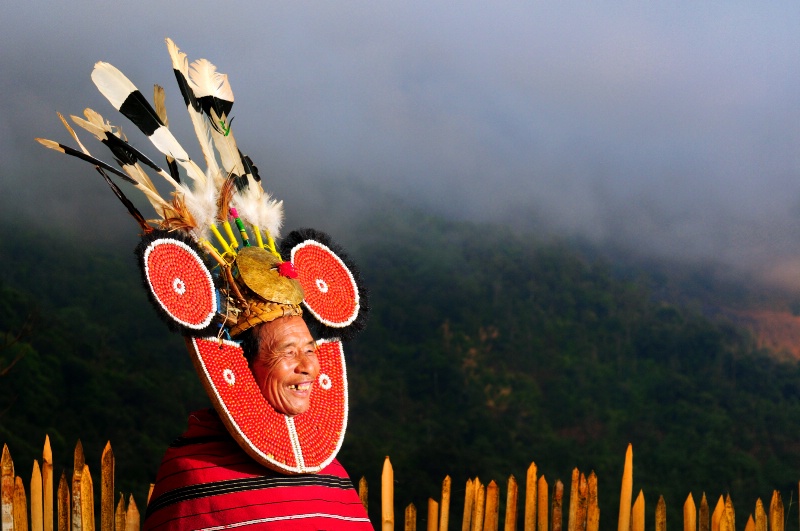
(307, 364)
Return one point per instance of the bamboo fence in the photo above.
(543, 508)
(73, 506)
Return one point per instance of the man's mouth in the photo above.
(301, 386)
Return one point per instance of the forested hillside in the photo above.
(486, 350)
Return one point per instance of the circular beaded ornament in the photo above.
(178, 282)
(305, 443)
(332, 289)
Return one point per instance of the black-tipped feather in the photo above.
(83, 156)
(146, 228)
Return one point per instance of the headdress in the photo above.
(211, 285)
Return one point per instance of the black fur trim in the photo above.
(318, 329)
(173, 325)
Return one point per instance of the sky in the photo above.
(668, 128)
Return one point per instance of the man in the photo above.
(263, 457)
(206, 481)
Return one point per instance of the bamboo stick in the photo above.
(542, 509)
(410, 522)
(776, 512)
(626, 492)
(387, 496)
(87, 500)
(20, 506)
(491, 515)
(37, 513)
(637, 513)
(132, 516)
(47, 485)
(64, 513)
(728, 515)
(363, 493)
(479, 507)
(592, 504)
(572, 521)
(469, 502)
(761, 516)
(119, 514)
(444, 508)
(149, 493)
(433, 515)
(703, 524)
(6, 490)
(76, 487)
(556, 513)
(580, 504)
(531, 500)
(689, 514)
(717, 514)
(512, 502)
(750, 525)
(661, 514)
(107, 463)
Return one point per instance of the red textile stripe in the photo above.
(212, 484)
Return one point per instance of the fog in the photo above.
(672, 129)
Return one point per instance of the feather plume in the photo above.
(224, 199)
(180, 66)
(127, 99)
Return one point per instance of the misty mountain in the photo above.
(487, 349)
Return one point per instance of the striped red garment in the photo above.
(207, 482)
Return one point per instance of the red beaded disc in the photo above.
(180, 282)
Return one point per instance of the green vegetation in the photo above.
(486, 350)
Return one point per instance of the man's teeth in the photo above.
(301, 387)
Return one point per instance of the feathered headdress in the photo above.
(211, 284)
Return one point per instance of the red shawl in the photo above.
(206, 481)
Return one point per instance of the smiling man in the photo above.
(264, 455)
(284, 364)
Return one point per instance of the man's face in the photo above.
(286, 365)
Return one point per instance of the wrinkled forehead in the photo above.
(285, 332)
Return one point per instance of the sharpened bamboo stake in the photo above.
(363, 493)
(20, 506)
(479, 506)
(387, 496)
(119, 514)
(689, 514)
(626, 492)
(592, 505)
(433, 515)
(410, 522)
(132, 516)
(107, 463)
(444, 508)
(750, 525)
(64, 513)
(87, 500)
(542, 509)
(717, 514)
(47, 485)
(728, 520)
(637, 513)
(580, 504)
(556, 512)
(469, 502)
(703, 524)
(76, 487)
(7, 490)
(572, 521)
(531, 501)
(491, 516)
(512, 501)
(661, 514)
(761, 516)
(776, 512)
(37, 513)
